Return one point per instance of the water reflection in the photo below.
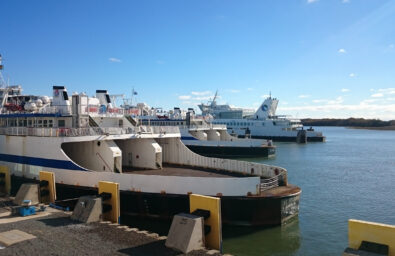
(282, 240)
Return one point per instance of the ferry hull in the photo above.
(226, 152)
(236, 210)
(288, 138)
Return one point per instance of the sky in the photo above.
(320, 58)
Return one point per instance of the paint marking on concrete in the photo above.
(14, 236)
(212, 252)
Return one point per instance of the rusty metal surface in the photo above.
(281, 191)
(180, 171)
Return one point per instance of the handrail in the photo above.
(91, 131)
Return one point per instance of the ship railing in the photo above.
(165, 129)
(206, 126)
(65, 132)
(272, 182)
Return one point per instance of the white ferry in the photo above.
(83, 142)
(263, 124)
(203, 138)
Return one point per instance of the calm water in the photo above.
(352, 175)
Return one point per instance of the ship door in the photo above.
(158, 159)
(130, 159)
(118, 164)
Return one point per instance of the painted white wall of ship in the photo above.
(50, 148)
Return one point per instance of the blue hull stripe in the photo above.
(188, 138)
(52, 163)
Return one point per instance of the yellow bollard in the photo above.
(47, 187)
(359, 231)
(212, 204)
(5, 179)
(112, 188)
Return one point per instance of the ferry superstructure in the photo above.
(84, 142)
(206, 139)
(264, 123)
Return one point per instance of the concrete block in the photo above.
(186, 233)
(88, 209)
(28, 191)
(14, 236)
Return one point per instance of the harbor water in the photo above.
(352, 175)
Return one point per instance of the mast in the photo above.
(2, 82)
(215, 97)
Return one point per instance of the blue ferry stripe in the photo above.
(188, 138)
(51, 163)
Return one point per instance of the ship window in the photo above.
(263, 123)
(108, 98)
(20, 122)
(29, 123)
(25, 123)
(65, 96)
(61, 123)
(40, 123)
(274, 123)
(50, 123)
(45, 123)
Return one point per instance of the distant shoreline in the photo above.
(352, 123)
(383, 128)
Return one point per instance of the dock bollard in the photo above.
(370, 236)
(210, 209)
(109, 192)
(5, 179)
(47, 187)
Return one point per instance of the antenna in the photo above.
(2, 82)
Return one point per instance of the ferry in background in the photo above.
(84, 140)
(211, 140)
(263, 123)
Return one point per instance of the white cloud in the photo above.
(203, 98)
(363, 109)
(265, 96)
(112, 59)
(302, 96)
(352, 75)
(387, 90)
(250, 89)
(311, 1)
(201, 93)
(234, 91)
(184, 97)
(377, 95)
(345, 1)
(319, 101)
(345, 90)
(341, 50)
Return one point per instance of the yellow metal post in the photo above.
(114, 201)
(5, 179)
(212, 204)
(359, 231)
(51, 187)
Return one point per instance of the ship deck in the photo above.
(281, 191)
(184, 171)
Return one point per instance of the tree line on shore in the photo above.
(350, 122)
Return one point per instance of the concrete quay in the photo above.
(52, 232)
